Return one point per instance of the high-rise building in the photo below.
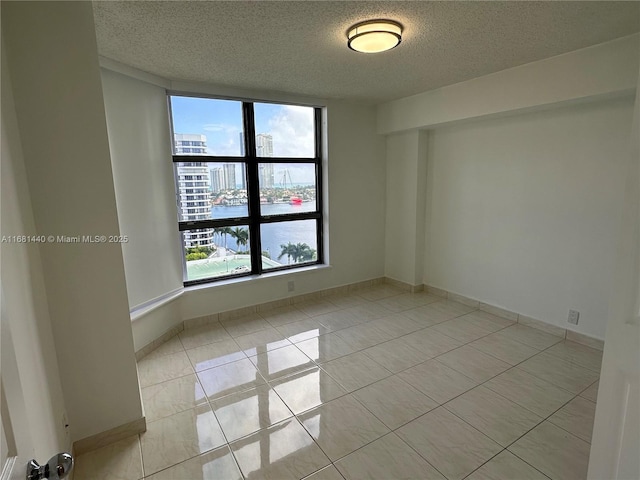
(265, 175)
(264, 145)
(194, 188)
(264, 148)
(229, 170)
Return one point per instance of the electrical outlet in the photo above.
(574, 315)
(291, 286)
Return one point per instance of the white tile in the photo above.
(576, 417)
(218, 463)
(215, 354)
(342, 426)
(506, 466)
(430, 342)
(461, 330)
(247, 412)
(281, 362)
(396, 355)
(160, 369)
(292, 453)
(308, 389)
(532, 337)
(504, 348)
(245, 325)
(473, 363)
(384, 459)
(591, 393)
(355, 371)
(437, 381)
(582, 355)
(230, 378)
(561, 373)
(394, 401)
(498, 418)
(533, 393)
(325, 348)
(449, 444)
(262, 341)
(179, 437)
(210, 333)
(555, 452)
(121, 460)
(173, 396)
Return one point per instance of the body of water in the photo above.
(274, 234)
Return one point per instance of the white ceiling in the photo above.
(300, 47)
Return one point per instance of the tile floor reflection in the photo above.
(377, 384)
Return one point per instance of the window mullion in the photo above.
(253, 192)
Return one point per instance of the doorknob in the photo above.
(57, 468)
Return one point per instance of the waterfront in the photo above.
(275, 234)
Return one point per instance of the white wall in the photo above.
(24, 296)
(524, 211)
(405, 207)
(140, 144)
(53, 61)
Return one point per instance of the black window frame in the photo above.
(254, 219)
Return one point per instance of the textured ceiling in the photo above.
(300, 47)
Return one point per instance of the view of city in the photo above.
(219, 190)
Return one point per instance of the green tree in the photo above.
(305, 253)
(289, 250)
(224, 231)
(241, 236)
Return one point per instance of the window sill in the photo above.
(256, 278)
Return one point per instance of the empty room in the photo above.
(320, 240)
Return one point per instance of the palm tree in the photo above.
(305, 253)
(225, 231)
(241, 235)
(289, 250)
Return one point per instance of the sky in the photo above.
(220, 121)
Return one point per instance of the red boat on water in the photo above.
(295, 201)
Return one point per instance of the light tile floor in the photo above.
(378, 384)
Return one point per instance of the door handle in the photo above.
(57, 468)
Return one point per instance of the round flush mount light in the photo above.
(374, 36)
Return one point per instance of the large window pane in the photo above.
(211, 190)
(206, 126)
(284, 130)
(216, 252)
(287, 188)
(288, 243)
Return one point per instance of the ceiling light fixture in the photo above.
(374, 36)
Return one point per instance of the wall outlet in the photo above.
(574, 315)
(291, 286)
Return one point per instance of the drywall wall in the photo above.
(53, 61)
(523, 212)
(140, 144)
(24, 298)
(405, 207)
(603, 70)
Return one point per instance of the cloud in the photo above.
(220, 127)
(292, 131)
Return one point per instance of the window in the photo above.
(248, 186)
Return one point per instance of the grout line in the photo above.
(319, 365)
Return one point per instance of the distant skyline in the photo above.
(291, 128)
